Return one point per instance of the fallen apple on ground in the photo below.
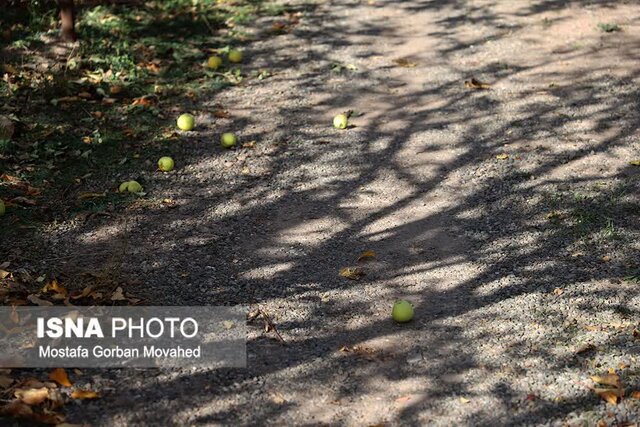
(186, 122)
(130, 186)
(214, 62)
(402, 311)
(228, 140)
(340, 121)
(235, 56)
(134, 187)
(166, 164)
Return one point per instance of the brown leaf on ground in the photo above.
(608, 396)
(609, 379)
(352, 273)
(144, 101)
(115, 89)
(5, 382)
(635, 395)
(60, 376)
(34, 299)
(221, 114)
(405, 63)
(84, 394)
(118, 295)
(32, 396)
(366, 255)
(16, 409)
(57, 288)
(82, 294)
(23, 201)
(476, 84)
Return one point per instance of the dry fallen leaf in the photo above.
(502, 156)
(353, 273)
(118, 295)
(84, 394)
(476, 84)
(116, 89)
(56, 287)
(366, 255)
(16, 409)
(221, 114)
(39, 301)
(85, 292)
(60, 376)
(404, 62)
(228, 324)
(558, 291)
(635, 163)
(144, 101)
(635, 395)
(608, 395)
(33, 396)
(5, 381)
(609, 379)
(464, 400)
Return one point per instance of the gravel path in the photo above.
(508, 216)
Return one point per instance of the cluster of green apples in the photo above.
(234, 56)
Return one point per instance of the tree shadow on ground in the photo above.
(496, 232)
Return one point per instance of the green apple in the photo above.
(2, 208)
(134, 187)
(124, 187)
(402, 311)
(186, 122)
(340, 121)
(235, 56)
(228, 140)
(165, 164)
(214, 62)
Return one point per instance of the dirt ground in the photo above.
(508, 215)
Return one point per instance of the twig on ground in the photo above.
(269, 325)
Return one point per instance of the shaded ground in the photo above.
(509, 216)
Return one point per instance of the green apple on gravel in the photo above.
(165, 164)
(228, 140)
(235, 56)
(186, 122)
(402, 311)
(214, 62)
(340, 121)
(131, 187)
